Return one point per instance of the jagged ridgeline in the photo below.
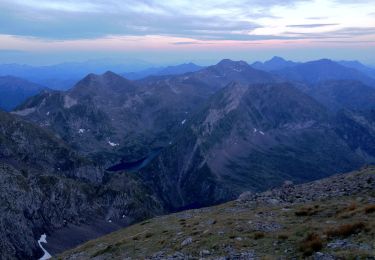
(110, 152)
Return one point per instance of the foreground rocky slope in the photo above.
(331, 218)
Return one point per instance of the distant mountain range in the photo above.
(369, 71)
(14, 91)
(218, 131)
(276, 63)
(322, 70)
(170, 70)
(63, 76)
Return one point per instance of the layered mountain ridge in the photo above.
(219, 131)
(242, 138)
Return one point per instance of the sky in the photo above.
(167, 32)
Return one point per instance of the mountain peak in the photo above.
(90, 77)
(277, 58)
(275, 63)
(231, 63)
(110, 74)
(325, 61)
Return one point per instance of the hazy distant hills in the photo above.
(318, 71)
(343, 94)
(321, 70)
(63, 76)
(14, 91)
(170, 70)
(369, 71)
(276, 63)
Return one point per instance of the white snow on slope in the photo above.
(112, 144)
(43, 239)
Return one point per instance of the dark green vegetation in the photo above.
(330, 216)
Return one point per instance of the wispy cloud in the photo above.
(315, 25)
(137, 24)
(91, 19)
(185, 43)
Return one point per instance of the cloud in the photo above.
(316, 25)
(209, 20)
(185, 43)
(68, 19)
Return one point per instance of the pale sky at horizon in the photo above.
(42, 31)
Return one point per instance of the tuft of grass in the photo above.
(346, 230)
(148, 235)
(283, 237)
(106, 250)
(312, 243)
(351, 207)
(370, 209)
(306, 211)
(259, 235)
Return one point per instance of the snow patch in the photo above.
(112, 144)
(255, 130)
(47, 113)
(261, 132)
(81, 131)
(43, 239)
(69, 102)
(110, 221)
(183, 122)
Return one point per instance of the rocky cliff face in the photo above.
(46, 186)
(250, 136)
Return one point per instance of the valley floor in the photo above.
(333, 218)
